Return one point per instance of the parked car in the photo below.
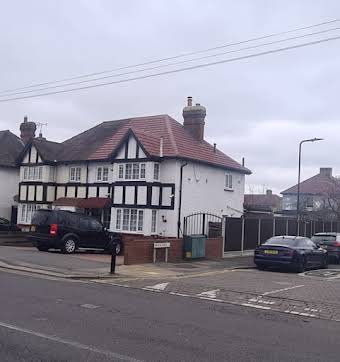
(6, 225)
(330, 242)
(67, 231)
(294, 252)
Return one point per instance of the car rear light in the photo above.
(53, 229)
(336, 243)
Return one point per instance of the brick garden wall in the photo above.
(140, 251)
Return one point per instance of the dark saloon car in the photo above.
(330, 242)
(6, 225)
(68, 231)
(297, 253)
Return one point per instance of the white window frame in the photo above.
(27, 211)
(133, 171)
(154, 222)
(121, 171)
(228, 181)
(76, 171)
(130, 220)
(102, 174)
(156, 171)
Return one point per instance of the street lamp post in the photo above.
(298, 185)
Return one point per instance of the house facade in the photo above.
(314, 193)
(139, 175)
(10, 148)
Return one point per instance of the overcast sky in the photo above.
(257, 108)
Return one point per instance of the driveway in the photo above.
(80, 263)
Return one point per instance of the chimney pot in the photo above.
(215, 147)
(189, 101)
(269, 192)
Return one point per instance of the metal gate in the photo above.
(203, 223)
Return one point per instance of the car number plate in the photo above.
(323, 247)
(33, 229)
(272, 252)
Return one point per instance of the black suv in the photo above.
(67, 231)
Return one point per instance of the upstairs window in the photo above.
(102, 174)
(121, 171)
(133, 171)
(33, 173)
(156, 171)
(52, 174)
(228, 181)
(75, 174)
(154, 221)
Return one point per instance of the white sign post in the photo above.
(164, 245)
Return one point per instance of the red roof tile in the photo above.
(100, 142)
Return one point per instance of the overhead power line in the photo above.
(177, 70)
(171, 57)
(170, 64)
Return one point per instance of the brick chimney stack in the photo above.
(326, 171)
(194, 119)
(27, 130)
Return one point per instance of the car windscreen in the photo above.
(42, 217)
(324, 239)
(281, 242)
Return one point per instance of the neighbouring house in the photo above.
(314, 193)
(267, 202)
(138, 175)
(10, 148)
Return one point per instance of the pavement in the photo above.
(97, 265)
(70, 320)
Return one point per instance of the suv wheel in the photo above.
(69, 246)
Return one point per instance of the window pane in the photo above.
(230, 181)
(142, 170)
(135, 173)
(99, 174)
(156, 171)
(133, 220)
(140, 220)
(78, 172)
(119, 219)
(153, 221)
(23, 212)
(121, 171)
(105, 174)
(25, 173)
(128, 171)
(126, 214)
(72, 173)
(40, 173)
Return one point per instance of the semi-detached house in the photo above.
(139, 175)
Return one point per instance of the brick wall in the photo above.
(140, 251)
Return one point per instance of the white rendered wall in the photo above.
(9, 181)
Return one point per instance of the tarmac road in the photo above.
(59, 320)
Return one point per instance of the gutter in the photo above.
(180, 199)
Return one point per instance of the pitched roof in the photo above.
(262, 200)
(100, 142)
(10, 148)
(48, 150)
(316, 185)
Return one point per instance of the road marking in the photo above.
(212, 294)
(300, 313)
(89, 306)
(180, 294)
(212, 299)
(69, 343)
(159, 287)
(260, 300)
(283, 289)
(255, 306)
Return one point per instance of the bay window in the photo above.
(133, 220)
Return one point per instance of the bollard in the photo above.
(113, 258)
